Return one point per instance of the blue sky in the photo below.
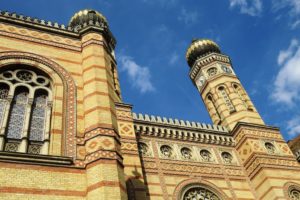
(261, 37)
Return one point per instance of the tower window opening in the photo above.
(214, 112)
(241, 93)
(226, 99)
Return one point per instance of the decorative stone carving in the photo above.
(3, 93)
(205, 155)
(212, 71)
(200, 193)
(294, 194)
(26, 76)
(270, 148)
(227, 157)
(166, 151)
(34, 149)
(11, 147)
(143, 149)
(186, 153)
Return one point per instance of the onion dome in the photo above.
(200, 48)
(87, 17)
(87, 20)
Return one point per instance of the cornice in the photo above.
(240, 125)
(181, 130)
(203, 61)
(24, 158)
(36, 23)
(61, 29)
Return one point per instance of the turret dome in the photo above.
(86, 18)
(200, 48)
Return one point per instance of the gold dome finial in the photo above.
(199, 48)
(87, 17)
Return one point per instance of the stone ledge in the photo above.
(25, 158)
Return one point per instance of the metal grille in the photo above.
(200, 193)
(17, 116)
(38, 118)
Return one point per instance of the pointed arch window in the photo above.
(25, 121)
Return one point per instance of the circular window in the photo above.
(212, 71)
(186, 153)
(7, 75)
(40, 80)
(227, 157)
(270, 148)
(205, 155)
(294, 194)
(199, 193)
(166, 151)
(24, 76)
(143, 149)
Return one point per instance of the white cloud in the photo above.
(174, 58)
(250, 7)
(188, 17)
(286, 88)
(293, 7)
(293, 126)
(286, 54)
(139, 76)
(295, 24)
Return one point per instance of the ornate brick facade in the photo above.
(100, 149)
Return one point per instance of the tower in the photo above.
(261, 148)
(225, 98)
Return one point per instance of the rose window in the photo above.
(205, 155)
(186, 153)
(200, 193)
(24, 75)
(212, 71)
(166, 151)
(227, 157)
(294, 194)
(270, 147)
(144, 149)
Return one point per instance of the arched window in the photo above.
(199, 193)
(27, 122)
(227, 101)
(213, 110)
(243, 96)
(4, 89)
(294, 194)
